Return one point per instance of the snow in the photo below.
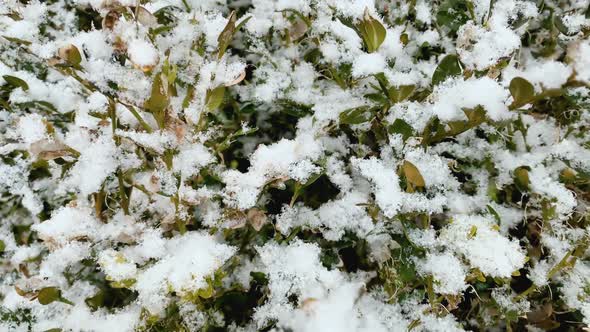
(447, 271)
(454, 95)
(193, 257)
(142, 53)
(68, 224)
(387, 191)
(208, 218)
(31, 128)
(368, 64)
(545, 75)
(490, 252)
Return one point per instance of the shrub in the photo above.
(303, 165)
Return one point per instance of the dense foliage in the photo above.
(294, 165)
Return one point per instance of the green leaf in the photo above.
(413, 176)
(190, 94)
(17, 40)
(401, 93)
(448, 67)
(214, 98)
(206, 292)
(226, 35)
(2, 246)
(125, 283)
(472, 232)
(48, 295)
(372, 32)
(356, 115)
(401, 127)
(248, 109)
(16, 82)
(522, 91)
(453, 14)
(558, 23)
(521, 177)
(71, 55)
(159, 99)
(494, 214)
(96, 301)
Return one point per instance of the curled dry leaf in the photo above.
(146, 18)
(153, 185)
(235, 218)
(110, 19)
(237, 80)
(48, 149)
(298, 29)
(176, 127)
(257, 218)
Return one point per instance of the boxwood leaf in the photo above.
(448, 67)
(413, 176)
(356, 115)
(522, 91)
(521, 177)
(48, 295)
(70, 54)
(16, 82)
(372, 32)
(401, 93)
(214, 97)
(401, 127)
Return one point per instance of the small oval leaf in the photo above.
(401, 93)
(356, 115)
(70, 54)
(401, 127)
(521, 178)
(448, 67)
(372, 32)
(214, 98)
(522, 91)
(413, 176)
(48, 295)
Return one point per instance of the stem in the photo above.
(141, 121)
(123, 194)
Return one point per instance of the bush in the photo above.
(303, 165)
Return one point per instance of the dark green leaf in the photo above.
(356, 115)
(448, 67)
(401, 127)
(453, 14)
(248, 109)
(401, 93)
(16, 82)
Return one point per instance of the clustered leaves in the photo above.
(312, 165)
